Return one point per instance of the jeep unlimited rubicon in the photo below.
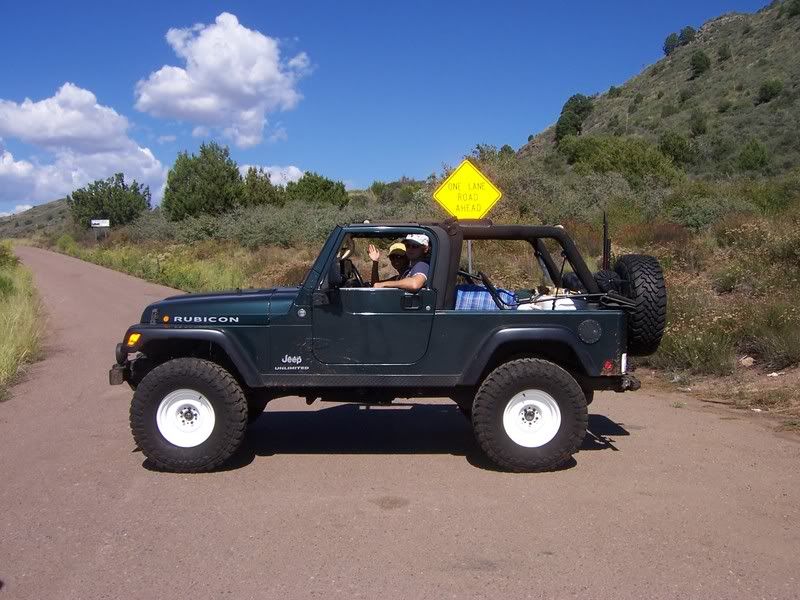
(522, 367)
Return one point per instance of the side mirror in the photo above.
(320, 298)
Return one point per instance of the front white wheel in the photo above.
(188, 415)
(185, 418)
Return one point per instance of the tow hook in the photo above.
(630, 383)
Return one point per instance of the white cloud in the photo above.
(86, 141)
(16, 210)
(277, 175)
(232, 79)
(165, 139)
(71, 118)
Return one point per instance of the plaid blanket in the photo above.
(477, 297)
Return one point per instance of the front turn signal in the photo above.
(133, 338)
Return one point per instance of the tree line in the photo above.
(209, 182)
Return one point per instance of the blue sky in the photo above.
(357, 91)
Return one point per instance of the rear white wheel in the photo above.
(529, 415)
(532, 418)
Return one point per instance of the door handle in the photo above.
(411, 302)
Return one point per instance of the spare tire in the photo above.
(607, 280)
(642, 280)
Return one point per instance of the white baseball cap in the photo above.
(417, 238)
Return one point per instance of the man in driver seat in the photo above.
(416, 275)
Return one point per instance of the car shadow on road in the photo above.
(393, 429)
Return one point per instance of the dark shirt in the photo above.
(417, 268)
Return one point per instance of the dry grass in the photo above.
(20, 332)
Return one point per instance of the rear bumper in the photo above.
(614, 383)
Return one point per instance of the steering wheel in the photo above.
(357, 275)
(349, 272)
(470, 278)
(492, 291)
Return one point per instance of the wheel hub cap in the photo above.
(185, 418)
(532, 418)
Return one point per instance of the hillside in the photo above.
(41, 219)
(745, 52)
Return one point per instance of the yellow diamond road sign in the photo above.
(467, 193)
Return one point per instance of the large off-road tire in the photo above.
(188, 415)
(642, 280)
(529, 415)
(607, 280)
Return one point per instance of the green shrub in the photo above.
(699, 62)
(686, 93)
(67, 244)
(725, 279)
(696, 205)
(258, 189)
(698, 124)
(573, 114)
(6, 286)
(7, 256)
(678, 147)
(704, 351)
(634, 158)
(772, 333)
(568, 124)
(110, 198)
(687, 35)
(724, 106)
(724, 52)
(793, 8)
(770, 89)
(753, 156)
(209, 182)
(315, 189)
(668, 110)
(614, 91)
(671, 43)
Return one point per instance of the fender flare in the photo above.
(247, 369)
(513, 335)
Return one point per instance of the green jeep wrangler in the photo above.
(522, 365)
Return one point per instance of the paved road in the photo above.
(342, 501)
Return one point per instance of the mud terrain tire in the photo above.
(642, 280)
(529, 415)
(196, 403)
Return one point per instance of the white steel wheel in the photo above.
(532, 418)
(185, 418)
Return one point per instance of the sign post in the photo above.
(100, 225)
(467, 194)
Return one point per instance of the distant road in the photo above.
(340, 501)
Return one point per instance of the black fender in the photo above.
(240, 359)
(532, 339)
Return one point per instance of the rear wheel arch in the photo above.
(549, 348)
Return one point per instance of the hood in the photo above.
(240, 307)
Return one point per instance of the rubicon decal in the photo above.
(212, 319)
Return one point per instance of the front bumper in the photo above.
(118, 374)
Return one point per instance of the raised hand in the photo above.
(374, 253)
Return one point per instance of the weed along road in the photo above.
(342, 501)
